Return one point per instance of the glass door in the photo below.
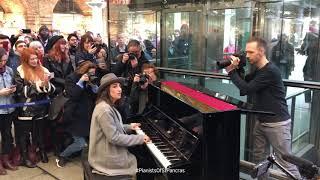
(182, 39)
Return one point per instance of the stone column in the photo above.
(97, 20)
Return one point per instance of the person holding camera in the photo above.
(266, 86)
(131, 63)
(139, 89)
(7, 90)
(102, 66)
(81, 88)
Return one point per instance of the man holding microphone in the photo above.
(266, 86)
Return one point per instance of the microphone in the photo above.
(306, 167)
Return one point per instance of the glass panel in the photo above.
(300, 111)
(228, 30)
(126, 24)
(292, 28)
(182, 47)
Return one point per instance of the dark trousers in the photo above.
(102, 177)
(23, 128)
(5, 129)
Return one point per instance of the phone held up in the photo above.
(26, 31)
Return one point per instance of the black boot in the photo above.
(43, 156)
(25, 160)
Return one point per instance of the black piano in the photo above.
(194, 135)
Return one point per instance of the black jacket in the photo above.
(125, 70)
(79, 107)
(82, 56)
(28, 92)
(60, 70)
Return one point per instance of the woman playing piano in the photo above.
(108, 145)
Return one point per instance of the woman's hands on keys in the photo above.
(135, 126)
(146, 139)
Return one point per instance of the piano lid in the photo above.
(223, 97)
(197, 99)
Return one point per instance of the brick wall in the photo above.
(37, 12)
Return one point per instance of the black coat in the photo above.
(60, 70)
(79, 107)
(126, 71)
(82, 56)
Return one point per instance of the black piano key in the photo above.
(174, 161)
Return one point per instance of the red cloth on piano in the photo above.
(197, 95)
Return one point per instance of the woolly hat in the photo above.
(43, 27)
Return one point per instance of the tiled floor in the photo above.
(47, 171)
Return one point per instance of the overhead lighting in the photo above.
(97, 3)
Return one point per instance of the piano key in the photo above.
(159, 143)
(164, 149)
(171, 156)
(156, 152)
(161, 146)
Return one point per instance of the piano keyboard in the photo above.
(160, 150)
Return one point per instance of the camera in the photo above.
(93, 79)
(243, 60)
(26, 31)
(131, 56)
(143, 78)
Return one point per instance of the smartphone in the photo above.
(26, 31)
(5, 45)
(13, 86)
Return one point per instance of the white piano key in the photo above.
(156, 152)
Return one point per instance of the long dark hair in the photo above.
(85, 38)
(104, 95)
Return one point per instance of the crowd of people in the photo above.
(97, 100)
(74, 74)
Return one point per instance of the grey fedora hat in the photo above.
(109, 79)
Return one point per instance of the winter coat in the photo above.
(61, 71)
(28, 92)
(78, 109)
(109, 142)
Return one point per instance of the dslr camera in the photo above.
(143, 78)
(93, 79)
(243, 60)
(131, 56)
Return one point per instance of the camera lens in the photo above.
(132, 56)
(143, 79)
